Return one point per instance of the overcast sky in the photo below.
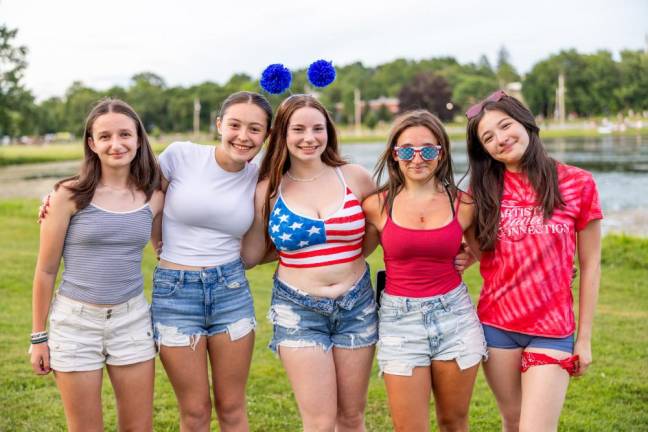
(104, 43)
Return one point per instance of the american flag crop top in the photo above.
(307, 242)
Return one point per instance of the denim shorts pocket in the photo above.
(69, 348)
(462, 306)
(236, 280)
(388, 314)
(164, 287)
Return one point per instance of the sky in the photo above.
(105, 43)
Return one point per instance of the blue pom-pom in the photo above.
(321, 73)
(276, 78)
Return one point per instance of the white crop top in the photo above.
(207, 210)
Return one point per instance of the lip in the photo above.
(241, 147)
(506, 148)
(118, 155)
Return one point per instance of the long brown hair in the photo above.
(276, 161)
(487, 174)
(395, 178)
(144, 169)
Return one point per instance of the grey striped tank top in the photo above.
(102, 255)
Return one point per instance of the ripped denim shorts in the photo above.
(301, 320)
(188, 304)
(415, 331)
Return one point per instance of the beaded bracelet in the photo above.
(39, 337)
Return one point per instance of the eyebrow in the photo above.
(498, 123)
(241, 121)
(427, 143)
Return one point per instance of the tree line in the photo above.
(596, 84)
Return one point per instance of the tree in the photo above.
(506, 72)
(430, 92)
(13, 97)
(633, 89)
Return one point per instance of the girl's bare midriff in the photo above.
(329, 281)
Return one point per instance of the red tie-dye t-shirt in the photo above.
(527, 278)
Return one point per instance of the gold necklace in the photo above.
(305, 180)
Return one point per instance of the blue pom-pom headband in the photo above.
(276, 78)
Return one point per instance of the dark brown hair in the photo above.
(487, 174)
(144, 169)
(395, 179)
(247, 97)
(276, 161)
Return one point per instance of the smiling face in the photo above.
(504, 139)
(306, 137)
(243, 129)
(417, 169)
(114, 139)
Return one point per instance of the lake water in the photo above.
(619, 165)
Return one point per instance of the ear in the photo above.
(91, 144)
(219, 124)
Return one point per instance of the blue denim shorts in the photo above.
(499, 338)
(416, 331)
(301, 320)
(188, 304)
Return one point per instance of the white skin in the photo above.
(243, 129)
(114, 140)
(335, 397)
(422, 194)
(532, 401)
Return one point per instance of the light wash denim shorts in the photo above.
(415, 331)
(188, 304)
(301, 320)
(84, 337)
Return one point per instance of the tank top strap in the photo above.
(452, 203)
(338, 171)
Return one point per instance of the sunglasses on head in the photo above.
(427, 152)
(474, 110)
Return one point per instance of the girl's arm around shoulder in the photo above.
(466, 216)
(359, 180)
(253, 246)
(375, 221)
(589, 259)
(157, 208)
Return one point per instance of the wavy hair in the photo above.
(144, 168)
(276, 160)
(487, 174)
(443, 174)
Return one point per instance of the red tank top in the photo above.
(420, 262)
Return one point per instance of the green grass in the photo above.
(613, 396)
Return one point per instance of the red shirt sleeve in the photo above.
(590, 208)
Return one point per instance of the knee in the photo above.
(230, 411)
(196, 416)
(453, 422)
(511, 423)
(350, 420)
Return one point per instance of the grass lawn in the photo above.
(612, 397)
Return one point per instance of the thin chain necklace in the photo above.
(305, 180)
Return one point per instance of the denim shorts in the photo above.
(188, 304)
(85, 337)
(499, 338)
(301, 320)
(415, 331)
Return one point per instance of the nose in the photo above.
(243, 134)
(500, 137)
(417, 157)
(309, 136)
